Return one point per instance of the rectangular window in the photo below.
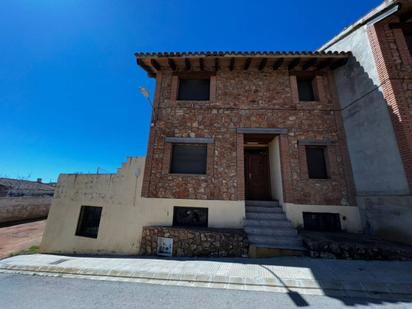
(315, 157)
(190, 216)
(189, 159)
(194, 89)
(325, 222)
(305, 89)
(89, 221)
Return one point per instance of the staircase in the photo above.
(269, 231)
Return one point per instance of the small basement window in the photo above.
(89, 221)
(315, 157)
(325, 222)
(190, 216)
(194, 89)
(305, 89)
(189, 159)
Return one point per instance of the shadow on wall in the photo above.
(382, 189)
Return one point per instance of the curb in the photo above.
(304, 286)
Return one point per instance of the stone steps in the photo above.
(268, 223)
(265, 215)
(261, 209)
(267, 227)
(258, 230)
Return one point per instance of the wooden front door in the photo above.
(257, 179)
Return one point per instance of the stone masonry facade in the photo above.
(248, 99)
(196, 242)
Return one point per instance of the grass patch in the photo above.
(31, 250)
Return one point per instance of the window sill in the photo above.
(84, 236)
(192, 101)
(309, 102)
(187, 175)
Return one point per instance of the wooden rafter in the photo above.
(172, 64)
(146, 67)
(201, 64)
(232, 64)
(155, 64)
(188, 65)
(263, 64)
(309, 64)
(338, 63)
(293, 63)
(277, 63)
(324, 64)
(247, 63)
(217, 64)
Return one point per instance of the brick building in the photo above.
(265, 142)
(375, 96)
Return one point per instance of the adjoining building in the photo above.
(375, 96)
(260, 142)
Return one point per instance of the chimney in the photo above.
(39, 180)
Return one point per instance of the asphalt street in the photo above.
(23, 291)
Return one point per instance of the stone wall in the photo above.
(24, 208)
(196, 242)
(247, 99)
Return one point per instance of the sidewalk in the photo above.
(286, 274)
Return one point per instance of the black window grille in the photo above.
(189, 159)
(194, 89)
(190, 216)
(89, 221)
(315, 157)
(326, 222)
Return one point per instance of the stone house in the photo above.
(260, 142)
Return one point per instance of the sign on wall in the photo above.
(164, 246)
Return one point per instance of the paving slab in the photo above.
(301, 274)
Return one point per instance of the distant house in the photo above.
(262, 142)
(23, 199)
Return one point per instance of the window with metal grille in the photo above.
(89, 221)
(189, 159)
(194, 89)
(326, 222)
(305, 89)
(315, 157)
(190, 216)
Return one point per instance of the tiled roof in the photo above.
(153, 62)
(17, 187)
(238, 53)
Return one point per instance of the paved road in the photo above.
(22, 291)
(18, 237)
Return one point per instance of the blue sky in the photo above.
(69, 99)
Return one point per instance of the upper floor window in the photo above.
(305, 88)
(189, 159)
(315, 157)
(194, 89)
(407, 31)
